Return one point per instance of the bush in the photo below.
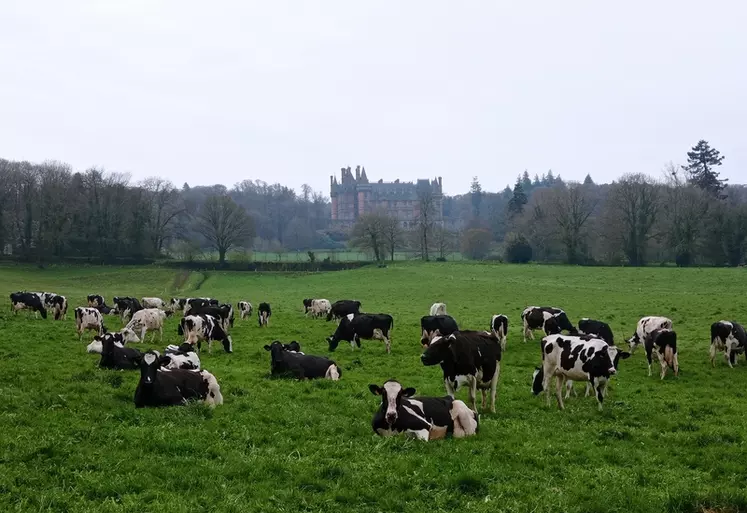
(476, 243)
(518, 249)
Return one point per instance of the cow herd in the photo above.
(468, 358)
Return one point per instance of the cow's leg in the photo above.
(546, 386)
(352, 344)
(648, 358)
(160, 333)
(494, 386)
(559, 382)
(600, 388)
(388, 343)
(588, 389)
(472, 383)
(677, 364)
(210, 346)
(143, 332)
(526, 327)
(663, 368)
(712, 353)
(450, 390)
(727, 355)
(420, 434)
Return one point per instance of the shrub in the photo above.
(518, 249)
(476, 243)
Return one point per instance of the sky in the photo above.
(291, 91)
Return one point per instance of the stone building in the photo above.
(354, 196)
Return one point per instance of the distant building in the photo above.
(354, 196)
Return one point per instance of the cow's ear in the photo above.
(267, 348)
(164, 360)
(408, 392)
(375, 389)
(425, 334)
(624, 355)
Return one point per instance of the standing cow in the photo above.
(438, 309)
(536, 317)
(436, 325)
(353, 328)
(645, 326)
(729, 337)
(343, 308)
(87, 318)
(263, 314)
(245, 309)
(664, 342)
(499, 326)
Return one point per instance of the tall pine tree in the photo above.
(475, 191)
(526, 182)
(518, 200)
(588, 180)
(536, 182)
(701, 164)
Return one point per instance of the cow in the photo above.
(173, 387)
(245, 309)
(343, 308)
(301, 366)
(153, 302)
(197, 328)
(435, 325)
(353, 328)
(116, 356)
(499, 326)
(27, 300)
(87, 318)
(127, 306)
(727, 336)
(470, 357)
(263, 314)
(95, 300)
(145, 320)
(118, 337)
(198, 302)
(224, 313)
(307, 305)
(54, 302)
(320, 308)
(425, 418)
(664, 342)
(293, 347)
(182, 356)
(597, 328)
(644, 328)
(575, 358)
(535, 317)
(438, 309)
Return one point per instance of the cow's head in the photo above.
(149, 365)
(634, 342)
(391, 398)
(343, 332)
(537, 381)
(276, 353)
(95, 346)
(129, 335)
(551, 326)
(293, 346)
(617, 354)
(425, 339)
(306, 305)
(438, 350)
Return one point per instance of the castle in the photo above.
(354, 196)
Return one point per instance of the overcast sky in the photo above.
(291, 91)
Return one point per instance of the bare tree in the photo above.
(633, 207)
(166, 205)
(570, 208)
(393, 235)
(444, 241)
(425, 219)
(369, 234)
(685, 215)
(224, 224)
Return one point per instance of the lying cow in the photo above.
(470, 357)
(570, 357)
(353, 328)
(535, 317)
(436, 325)
(180, 357)
(425, 418)
(115, 356)
(153, 302)
(118, 337)
(95, 300)
(245, 309)
(284, 360)
(197, 328)
(263, 314)
(499, 326)
(173, 387)
(729, 337)
(438, 309)
(343, 308)
(597, 328)
(27, 301)
(87, 318)
(148, 319)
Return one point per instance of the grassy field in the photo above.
(72, 440)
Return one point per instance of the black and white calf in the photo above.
(536, 317)
(285, 359)
(343, 308)
(353, 328)
(438, 309)
(197, 328)
(597, 328)
(173, 387)
(27, 301)
(499, 326)
(425, 418)
(245, 309)
(729, 337)
(182, 356)
(115, 356)
(87, 318)
(436, 325)
(471, 357)
(575, 358)
(263, 314)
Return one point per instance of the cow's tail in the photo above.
(333, 373)
(465, 420)
(669, 356)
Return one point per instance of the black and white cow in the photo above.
(223, 312)
(147, 319)
(425, 418)
(597, 328)
(182, 356)
(499, 326)
(293, 347)
(536, 317)
(645, 326)
(284, 360)
(197, 328)
(115, 356)
(245, 309)
(438, 309)
(436, 325)
(127, 306)
(575, 358)
(263, 314)
(87, 318)
(195, 303)
(27, 301)
(343, 308)
(173, 387)
(118, 337)
(353, 328)
(469, 357)
(54, 302)
(153, 302)
(729, 337)
(95, 300)
(663, 341)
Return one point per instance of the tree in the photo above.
(425, 221)
(570, 207)
(393, 235)
(475, 191)
(687, 209)
(518, 200)
(588, 180)
(476, 243)
(165, 205)
(443, 241)
(633, 205)
(224, 224)
(701, 162)
(536, 182)
(518, 250)
(526, 182)
(368, 234)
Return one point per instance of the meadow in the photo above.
(72, 440)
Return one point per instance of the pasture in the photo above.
(72, 439)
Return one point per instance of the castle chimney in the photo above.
(439, 182)
(357, 173)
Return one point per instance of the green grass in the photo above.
(72, 440)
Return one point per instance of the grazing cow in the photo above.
(173, 387)
(664, 341)
(54, 302)
(153, 302)
(597, 328)
(197, 328)
(644, 328)
(438, 309)
(145, 320)
(87, 318)
(320, 308)
(575, 358)
(301, 366)
(116, 356)
(119, 337)
(727, 336)
(535, 317)
(95, 300)
(127, 306)
(307, 305)
(263, 314)
(27, 300)
(367, 326)
(198, 302)
(425, 418)
(470, 357)
(177, 303)
(182, 356)
(343, 308)
(245, 309)
(436, 325)
(499, 326)
(224, 313)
